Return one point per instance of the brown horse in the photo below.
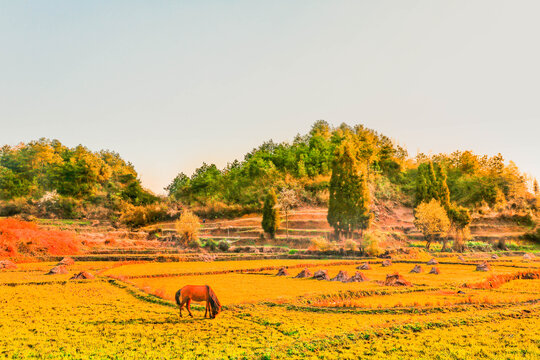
(189, 293)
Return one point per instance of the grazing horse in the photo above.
(185, 295)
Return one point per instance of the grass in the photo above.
(269, 317)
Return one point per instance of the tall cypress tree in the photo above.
(431, 184)
(270, 218)
(348, 208)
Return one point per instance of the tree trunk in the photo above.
(428, 242)
(445, 243)
(287, 223)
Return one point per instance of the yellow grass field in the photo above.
(118, 315)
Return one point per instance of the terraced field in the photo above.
(118, 315)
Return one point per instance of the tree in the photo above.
(460, 218)
(348, 208)
(287, 200)
(270, 218)
(431, 184)
(432, 220)
(535, 188)
(188, 227)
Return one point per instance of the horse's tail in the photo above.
(215, 305)
(177, 296)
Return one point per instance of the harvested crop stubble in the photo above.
(432, 262)
(7, 264)
(283, 272)
(358, 277)
(341, 276)
(434, 270)
(396, 280)
(59, 269)
(321, 275)
(386, 263)
(67, 261)
(304, 274)
(83, 275)
(417, 269)
(364, 266)
(483, 267)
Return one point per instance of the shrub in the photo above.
(350, 245)
(224, 245)
(293, 251)
(211, 245)
(321, 244)
(137, 216)
(194, 244)
(188, 227)
(371, 244)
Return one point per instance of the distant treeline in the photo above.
(305, 165)
(46, 178)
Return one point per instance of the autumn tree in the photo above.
(287, 201)
(348, 208)
(460, 219)
(188, 227)
(270, 217)
(432, 220)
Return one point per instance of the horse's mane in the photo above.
(215, 305)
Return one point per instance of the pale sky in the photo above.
(170, 84)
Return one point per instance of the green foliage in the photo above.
(305, 163)
(224, 245)
(474, 180)
(349, 202)
(211, 245)
(270, 216)
(431, 184)
(78, 177)
(194, 244)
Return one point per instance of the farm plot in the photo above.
(268, 316)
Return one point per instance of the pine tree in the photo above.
(443, 193)
(348, 208)
(431, 184)
(270, 219)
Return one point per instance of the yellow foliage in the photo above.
(188, 226)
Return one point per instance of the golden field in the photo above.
(117, 314)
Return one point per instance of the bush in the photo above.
(224, 246)
(137, 216)
(533, 236)
(320, 244)
(211, 245)
(194, 244)
(293, 251)
(188, 227)
(350, 245)
(371, 244)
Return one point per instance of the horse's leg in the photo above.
(188, 307)
(180, 308)
(206, 309)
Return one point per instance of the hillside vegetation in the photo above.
(477, 182)
(46, 179)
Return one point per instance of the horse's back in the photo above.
(195, 292)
